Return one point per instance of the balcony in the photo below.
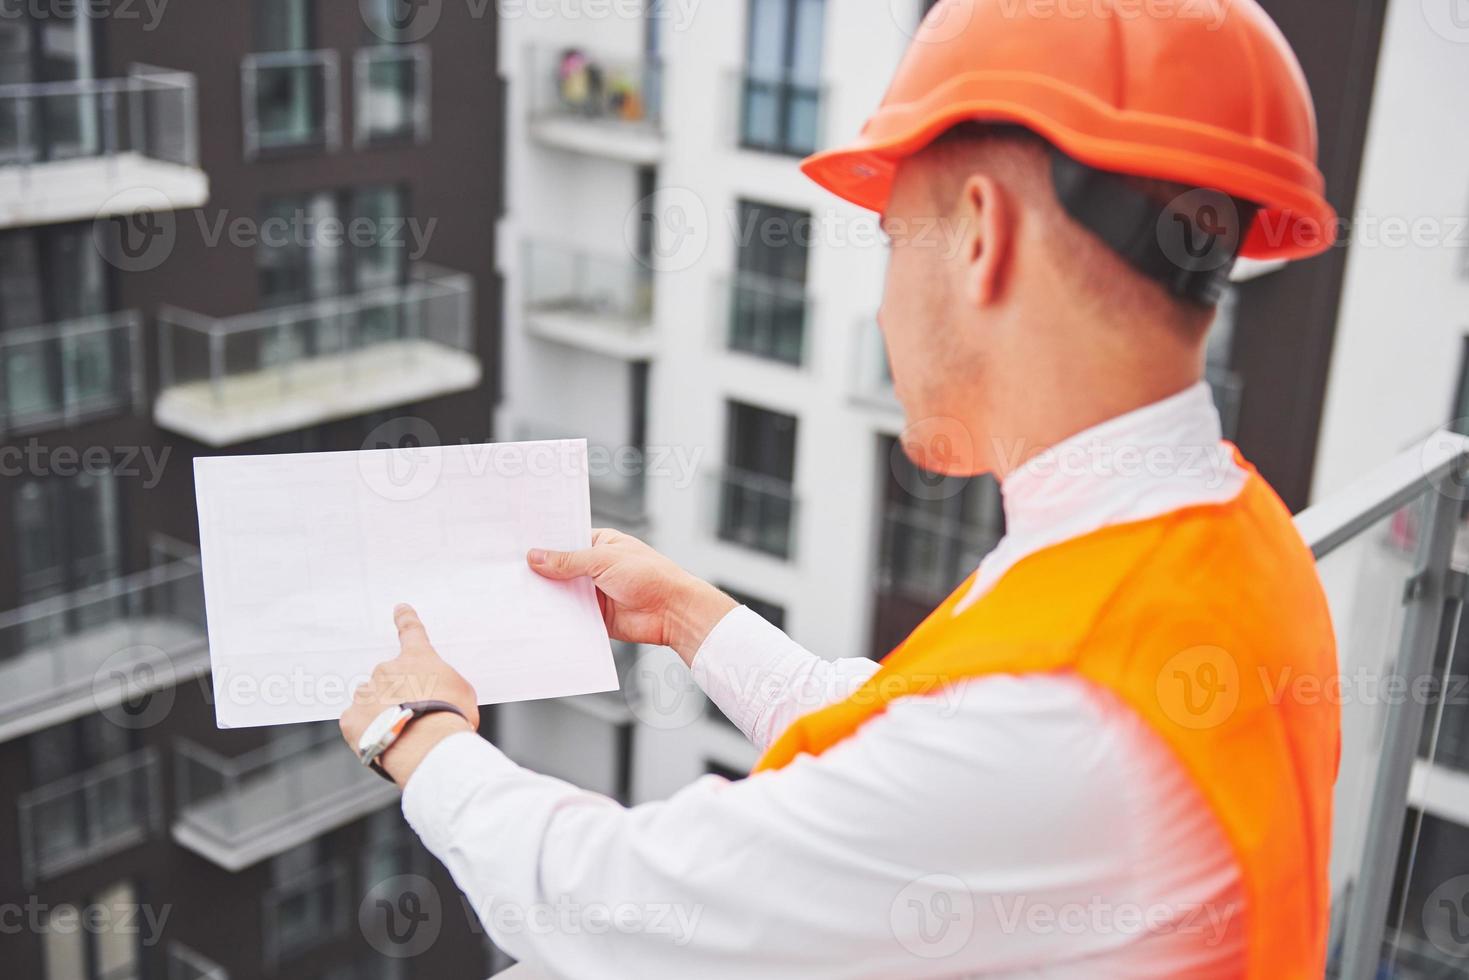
(778, 115)
(63, 374)
(1385, 550)
(768, 318)
(231, 379)
(86, 817)
(923, 556)
(79, 150)
(237, 811)
(292, 100)
(186, 964)
(599, 303)
(76, 654)
(392, 94)
(588, 103)
(756, 511)
(617, 475)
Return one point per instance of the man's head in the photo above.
(1008, 324)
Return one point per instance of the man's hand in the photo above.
(645, 598)
(418, 673)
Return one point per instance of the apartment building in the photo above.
(224, 228)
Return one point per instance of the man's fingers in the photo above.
(563, 564)
(411, 634)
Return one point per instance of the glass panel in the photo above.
(66, 954)
(290, 104)
(389, 102)
(116, 948)
(32, 378)
(285, 25)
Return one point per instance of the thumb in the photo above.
(562, 565)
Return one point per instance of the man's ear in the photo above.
(986, 238)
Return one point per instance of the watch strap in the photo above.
(419, 710)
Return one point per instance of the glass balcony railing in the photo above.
(228, 379)
(778, 114)
(392, 86)
(61, 374)
(149, 114)
(304, 913)
(292, 100)
(924, 556)
(73, 651)
(768, 318)
(756, 511)
(602, 302)
(85, 817)
(236, 810)
(1385, 551)
(186, 964)
(592, 88)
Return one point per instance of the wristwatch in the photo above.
(386, 728)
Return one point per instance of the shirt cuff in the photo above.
(745, 664)
(451, 773)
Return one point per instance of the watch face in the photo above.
(381, 728)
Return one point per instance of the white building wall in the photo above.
(827, 588)
(1405, 300)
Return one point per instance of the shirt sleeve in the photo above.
(882, 857)
(763, 680)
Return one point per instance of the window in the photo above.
(347, 243)
(771, 612)
(40, 45)
(290, 89)
(392, 92)
(85, 818)
(77, 949)
(781, 95)
(55, 277)
(67, 537)
(306, 904)
(325, 244)
(756, 505)
(768, 302)
(934, 531)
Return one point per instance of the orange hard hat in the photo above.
(1205, 93)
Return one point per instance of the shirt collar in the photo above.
(1107, 468)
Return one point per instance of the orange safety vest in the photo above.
(1210, 623)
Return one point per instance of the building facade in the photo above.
(237, 228)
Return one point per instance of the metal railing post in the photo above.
(1428, 593)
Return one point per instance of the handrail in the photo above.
(1334, 521)
(124, 585)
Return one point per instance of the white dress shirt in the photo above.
(1008, 826)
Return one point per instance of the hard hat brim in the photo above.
(1294, 222)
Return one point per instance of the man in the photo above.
(1080, 764)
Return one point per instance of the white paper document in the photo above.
(305, 556)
